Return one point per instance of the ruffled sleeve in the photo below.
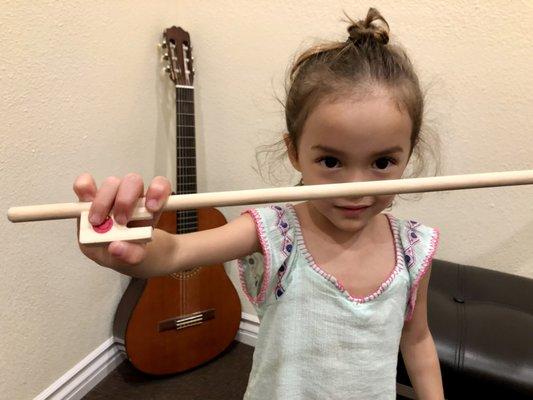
(264, 276)
(419, 244)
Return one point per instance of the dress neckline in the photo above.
(398, 264)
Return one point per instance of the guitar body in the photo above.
(147, 304)
(173, 323)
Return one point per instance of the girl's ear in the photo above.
(291, 151)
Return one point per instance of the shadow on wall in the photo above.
(165, 130)
(498, 256)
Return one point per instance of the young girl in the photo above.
(338, 285)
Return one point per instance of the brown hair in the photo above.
(357, 66)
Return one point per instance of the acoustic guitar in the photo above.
(173, 323)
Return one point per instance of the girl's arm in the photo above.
(165, 253)
(418, 349)
(172, 253)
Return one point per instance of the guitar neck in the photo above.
(185, 141)
(185, 154)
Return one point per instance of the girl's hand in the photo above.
(120, 196)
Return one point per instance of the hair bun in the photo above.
(373, 27)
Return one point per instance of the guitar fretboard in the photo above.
(185, 155)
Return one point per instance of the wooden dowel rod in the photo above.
(293, 193)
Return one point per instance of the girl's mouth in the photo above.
(352, 211)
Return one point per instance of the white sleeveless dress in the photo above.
(315, 340)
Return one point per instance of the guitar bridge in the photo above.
(186, 321)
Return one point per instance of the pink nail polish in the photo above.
(152, 204)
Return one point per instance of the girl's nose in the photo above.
(357, 176)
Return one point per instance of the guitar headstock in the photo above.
(177, 44)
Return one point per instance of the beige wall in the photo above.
(82, 91)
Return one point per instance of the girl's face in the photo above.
(352, 141)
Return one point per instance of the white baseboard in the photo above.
(248, 329)
(85, 375)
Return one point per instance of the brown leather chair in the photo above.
(482, 324)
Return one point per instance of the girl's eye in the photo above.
(384, 162)
(329, 162)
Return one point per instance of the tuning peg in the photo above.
(166, 69)
(165, 56)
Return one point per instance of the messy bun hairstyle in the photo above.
(356, 67)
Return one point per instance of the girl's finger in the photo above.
(129, 191)
(104, 200)
(85, 187)
(126, 252)
(157, 193)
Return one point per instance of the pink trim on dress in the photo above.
(260, 229)
(425, 267)
(398, 264)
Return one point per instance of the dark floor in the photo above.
(224, 378)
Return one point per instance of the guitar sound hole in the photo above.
(188, 273)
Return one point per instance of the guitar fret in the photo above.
(185, 154)
(185, 118)
(186, 141)
(182, 108)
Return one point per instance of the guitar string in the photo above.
(178, 178)
(182, 300)
(184, 104)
